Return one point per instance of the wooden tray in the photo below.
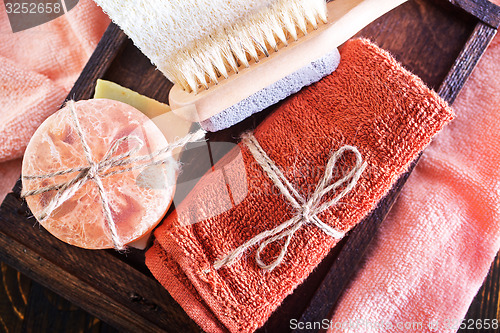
(439, 40)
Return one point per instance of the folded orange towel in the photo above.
(369, 102)
(436, 246)
(38, 67)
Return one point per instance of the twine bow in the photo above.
(306, 210)
(96, 171)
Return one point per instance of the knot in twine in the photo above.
(96, 171)
(306, 210)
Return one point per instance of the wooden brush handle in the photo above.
(345, 19)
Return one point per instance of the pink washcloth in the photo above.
(433, 252)
(38, 67)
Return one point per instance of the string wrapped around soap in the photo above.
(134, 149)
(307, 210)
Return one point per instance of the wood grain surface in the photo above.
(486, 304)
(426, 36)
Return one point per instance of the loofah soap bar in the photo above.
(84, 179)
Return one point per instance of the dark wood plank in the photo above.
(486, 304)
(26, 306)
(466, 61)
(484, 10)
(136, 72)
(105, 287)
(46, 311)
(14, 291)
(429, 38)
(112, 42)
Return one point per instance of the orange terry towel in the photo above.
(370, 102)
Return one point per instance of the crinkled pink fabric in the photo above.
(432, 253)
(38, 67)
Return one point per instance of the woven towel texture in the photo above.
(369, 102)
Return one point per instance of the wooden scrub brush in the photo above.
(232, 58)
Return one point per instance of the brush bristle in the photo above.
(212, 58)
(281, 89)
(197, 43)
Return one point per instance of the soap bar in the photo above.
(138, 199)
(110, 90)
(172, 125)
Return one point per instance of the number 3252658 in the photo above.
(33, 8)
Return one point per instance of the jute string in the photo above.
(307, 210)
(104, 168)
